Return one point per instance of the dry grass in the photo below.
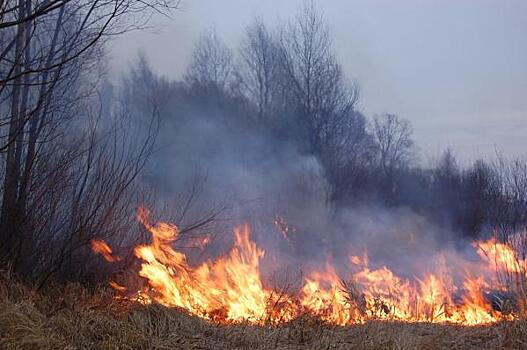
(70, 317)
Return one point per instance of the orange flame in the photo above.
(100, 247)
(230, 288)
(226, 289)
(501, 256)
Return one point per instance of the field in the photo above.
(71, 317)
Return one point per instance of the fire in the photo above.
(226, 289)
(231, 288)
(324, 297)
(100, 247)
(501, 256)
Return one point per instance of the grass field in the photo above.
(70, 317)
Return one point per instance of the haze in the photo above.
(456, 69)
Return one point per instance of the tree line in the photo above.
(286, 82)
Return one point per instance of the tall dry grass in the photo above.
(71, 317)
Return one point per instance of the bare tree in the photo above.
(211, 66)
(312, 82)
(50, 63)
(97, 197)
(478, 189)
(393, 137)
(393, 141)
(509, 205)
(259, 71)
(96, 19)
(348, 157)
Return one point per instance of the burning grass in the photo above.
(71, 317)
(230, 288)
(224, 303)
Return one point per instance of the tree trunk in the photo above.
(8, 225)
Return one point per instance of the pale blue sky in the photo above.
(457, 69)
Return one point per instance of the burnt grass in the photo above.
(72, 317)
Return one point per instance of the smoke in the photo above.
(212, 155)
(268, 182)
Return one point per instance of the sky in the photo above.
(457, 69)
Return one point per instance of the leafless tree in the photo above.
(211, 66)
(478, 190)
(259, 71)
(509, 205)
(95, 20)
(50, 62)
(96, 196)
(313, 82)
(348, 157)
(393, 137)
(393, 140)
(314, 90)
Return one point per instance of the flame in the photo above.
(117, 286)
(100, 247)
(501, 256)
(231, 288)
(226, 289)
